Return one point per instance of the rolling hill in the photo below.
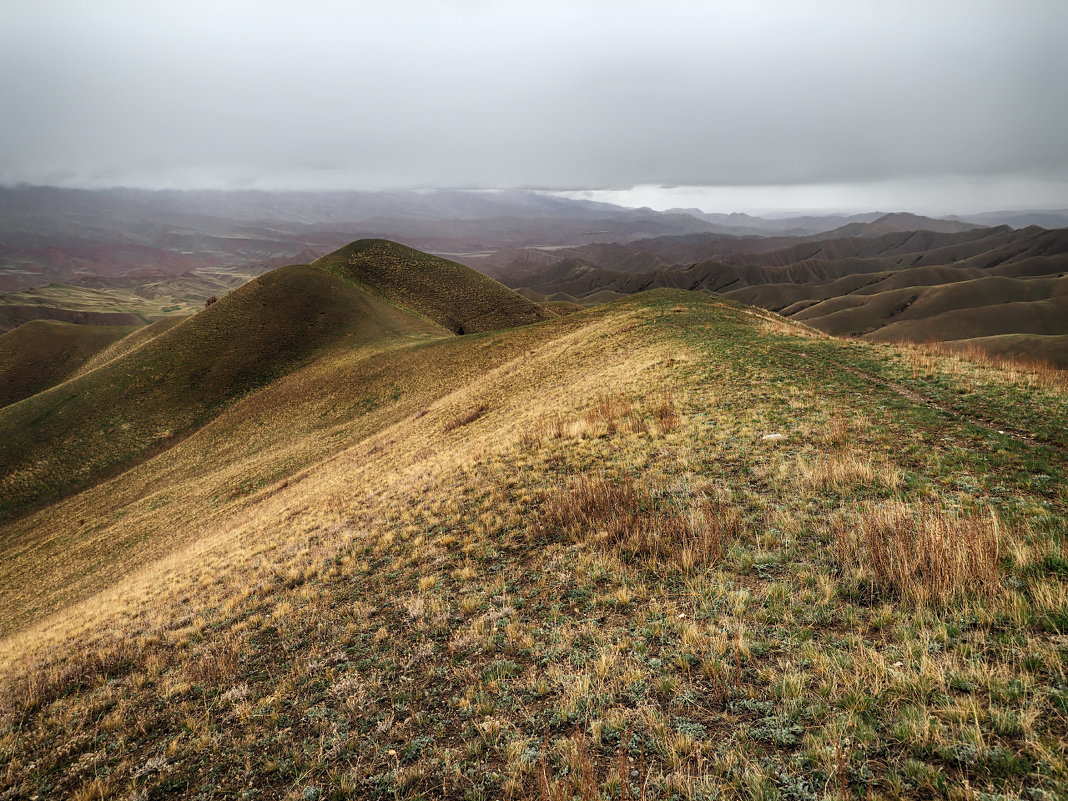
(42, 353)
(966, 282)
(145, 398)
(450, 294)
(670, 546)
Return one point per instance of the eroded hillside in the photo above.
(885, 280)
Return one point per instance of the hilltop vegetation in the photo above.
(667, 547)
(451, 295)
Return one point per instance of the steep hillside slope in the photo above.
(669, 546)
(450, 294)
(131, 341)
(173, 377)
(42, 353)
(144, 400)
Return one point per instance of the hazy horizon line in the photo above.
(660, 198)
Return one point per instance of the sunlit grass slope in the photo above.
(453, 296)
(72, 434)
(42, 353)
(669, 547)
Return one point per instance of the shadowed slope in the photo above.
(453, 296)
(42, 353)
(13, 315)
(130, 342)
(139, 403)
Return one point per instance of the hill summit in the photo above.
(370, 294)
(450, 294)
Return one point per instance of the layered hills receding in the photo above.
(53, 235)
(173, 377)
(950, 282)
(129, 257)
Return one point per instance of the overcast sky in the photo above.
(744, 105)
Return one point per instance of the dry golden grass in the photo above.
(1010, 369)
(626, 517)
(925, 555)
(466, 418)
(392, 441)
(567, 589)
(841, 469)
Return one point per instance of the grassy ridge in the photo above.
(564, 561)
(42, 353)
(89, 540)
(68, 436)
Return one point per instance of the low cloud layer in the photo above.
(568, 95)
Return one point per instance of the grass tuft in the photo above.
(925, 555)
(466, 418)
(625, 517)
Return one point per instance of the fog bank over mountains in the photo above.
(556, 95)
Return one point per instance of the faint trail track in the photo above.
(992, 425)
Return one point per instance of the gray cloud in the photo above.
(544, 94)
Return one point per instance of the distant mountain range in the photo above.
(128, 257)
(53, 235)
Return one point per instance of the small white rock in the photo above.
(773, 437)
